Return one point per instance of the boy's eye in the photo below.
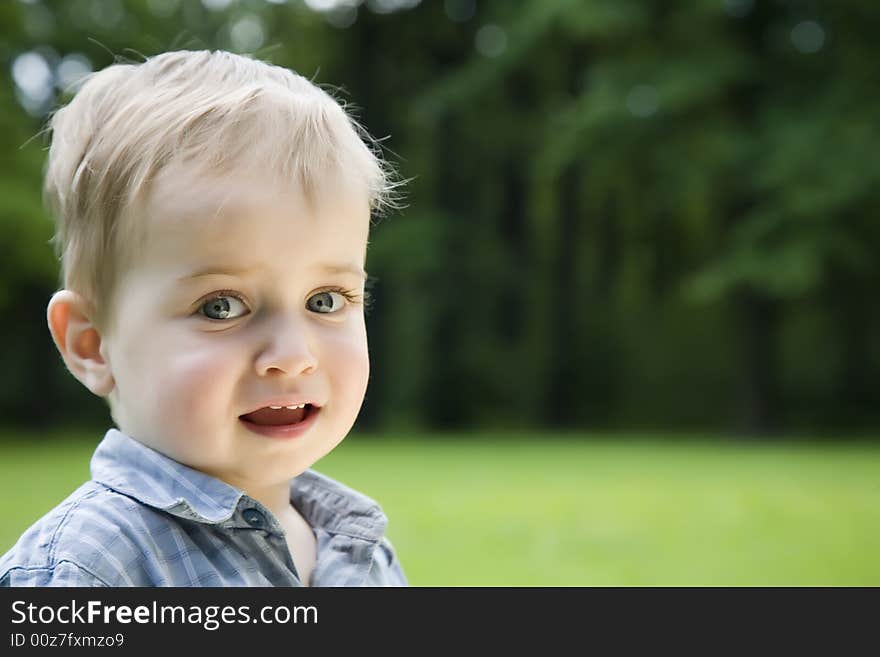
(222, 307)
(326, 302)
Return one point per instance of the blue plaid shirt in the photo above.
(146, 520)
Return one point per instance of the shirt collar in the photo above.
(129, 467)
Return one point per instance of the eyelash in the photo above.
(350, 295)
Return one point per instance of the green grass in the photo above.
(541, 510)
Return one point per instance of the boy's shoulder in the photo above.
(76, 542)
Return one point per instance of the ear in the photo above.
(77, 338)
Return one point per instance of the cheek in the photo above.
(187, 385)
(348, 364)
(197, 379)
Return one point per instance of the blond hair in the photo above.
(215, 112)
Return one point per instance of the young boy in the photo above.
(213, 213)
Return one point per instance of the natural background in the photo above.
(627, 329)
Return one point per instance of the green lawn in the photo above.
(539, 510)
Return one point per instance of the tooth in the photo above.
(293, 408)
(275, 408)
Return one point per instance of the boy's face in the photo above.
(270, 265)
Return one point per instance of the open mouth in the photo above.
(277, 417)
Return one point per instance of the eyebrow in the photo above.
(345, 269)
(214, 270)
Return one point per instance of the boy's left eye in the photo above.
(326, 302)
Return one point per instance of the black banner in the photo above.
(422, 619)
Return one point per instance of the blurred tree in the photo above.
(722, 143)
(621, 213)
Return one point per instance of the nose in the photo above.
(288, 349)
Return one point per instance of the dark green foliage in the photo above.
(621, 213)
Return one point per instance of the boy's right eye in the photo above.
(220, 306)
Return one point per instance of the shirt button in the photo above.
(254, 517)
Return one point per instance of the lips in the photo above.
(278, 417)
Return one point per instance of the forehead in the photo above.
(192, 219)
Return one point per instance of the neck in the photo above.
(276, 497)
